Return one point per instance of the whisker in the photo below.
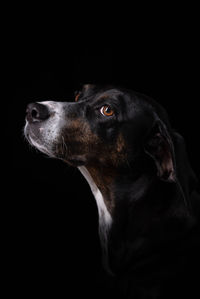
(64, 146)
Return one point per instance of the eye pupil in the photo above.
(107, 110)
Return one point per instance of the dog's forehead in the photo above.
(131, 104)
(108, 94)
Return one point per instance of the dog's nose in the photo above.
(36, 112)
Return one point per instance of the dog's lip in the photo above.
(29, 134)
(34, 137)
(35, 142)
(26, 129)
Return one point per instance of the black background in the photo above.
(54, 221)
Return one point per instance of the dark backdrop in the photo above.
(54, 219)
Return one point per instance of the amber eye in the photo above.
(107, 110)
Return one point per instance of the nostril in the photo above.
(35, 113)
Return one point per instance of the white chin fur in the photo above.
(40, 147)
(51, 130)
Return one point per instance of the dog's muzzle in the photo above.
(43, 125)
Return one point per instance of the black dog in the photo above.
(145, 189)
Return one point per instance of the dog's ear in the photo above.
(87, 87)
(159, 146)
(186, 175)
(86, 90)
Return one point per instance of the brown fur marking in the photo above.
(102, 159)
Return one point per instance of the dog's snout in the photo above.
(37, 112)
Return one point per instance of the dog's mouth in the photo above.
(33, 134)
(57, 149)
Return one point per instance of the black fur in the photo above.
(154, 242)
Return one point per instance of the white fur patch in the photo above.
(52, 128)
(105, 219)
(40, 147)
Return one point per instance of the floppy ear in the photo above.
(185, 173)
(159, 146)
(87, 89)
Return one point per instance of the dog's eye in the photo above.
(106, 110)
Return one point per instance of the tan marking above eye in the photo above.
(106, 110)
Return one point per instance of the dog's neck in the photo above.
(124, 215)
(102, 183)
(105, 218)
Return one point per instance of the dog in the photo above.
(145, 189)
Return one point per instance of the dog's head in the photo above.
(109, 127)
(126, 145)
